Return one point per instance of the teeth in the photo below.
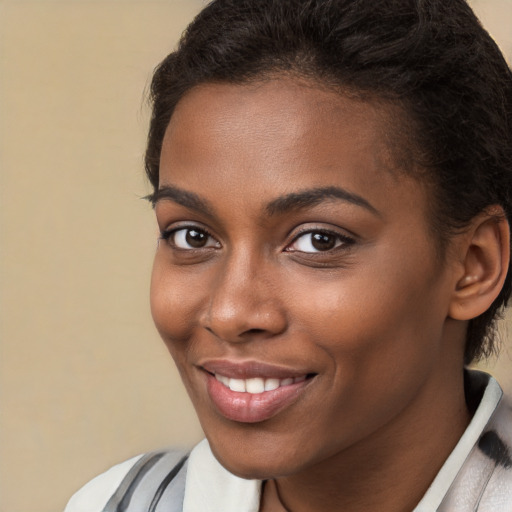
(271, 384)
(256, 385)
(237, 385)
(223, 379)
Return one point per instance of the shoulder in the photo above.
(484, 481)
(93, 496)
(139, 478)
(491, 470)
(496, 447)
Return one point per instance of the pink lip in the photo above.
(248, 407)
(250, 369)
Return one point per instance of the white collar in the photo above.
(437, 491)
(211, 488)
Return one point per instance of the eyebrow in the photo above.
(314, 196)
(294, 201)
(185, 198)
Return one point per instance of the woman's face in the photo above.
(296, 283)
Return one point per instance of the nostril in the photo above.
(255, 331)
(248, 332)
(243, 324)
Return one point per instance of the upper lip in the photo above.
(250, 369)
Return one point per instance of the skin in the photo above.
(368, 317)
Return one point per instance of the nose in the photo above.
(243, 302)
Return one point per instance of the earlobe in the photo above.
(486, 253)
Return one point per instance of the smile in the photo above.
(252, 392)
(257, 385)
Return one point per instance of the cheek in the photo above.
(381, 344)
(373, 313)
(174, 305)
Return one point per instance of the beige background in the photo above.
(84, 379)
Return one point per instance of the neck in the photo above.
(391, 470)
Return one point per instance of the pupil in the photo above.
(195, 238)
(323, 242)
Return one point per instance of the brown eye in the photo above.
(196, 238)
(319, 241)
(192, 238)
(323, 241)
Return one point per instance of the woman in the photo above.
(332, 183)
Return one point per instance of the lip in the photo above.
(246, 407)
(251, 369)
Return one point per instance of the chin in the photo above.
(258, 460)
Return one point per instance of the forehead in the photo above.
(279, 135)
(281, 112)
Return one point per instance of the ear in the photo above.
(485, 254)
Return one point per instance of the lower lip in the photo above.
(252, 408)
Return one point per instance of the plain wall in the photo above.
(84, 380)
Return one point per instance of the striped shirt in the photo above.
(476, 477)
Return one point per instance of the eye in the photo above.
(189, 238)
(318, 241)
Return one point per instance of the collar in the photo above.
(210, 487)
(444, 480)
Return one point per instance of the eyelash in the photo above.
(344, 240)
(168, 234)
(341, 240)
